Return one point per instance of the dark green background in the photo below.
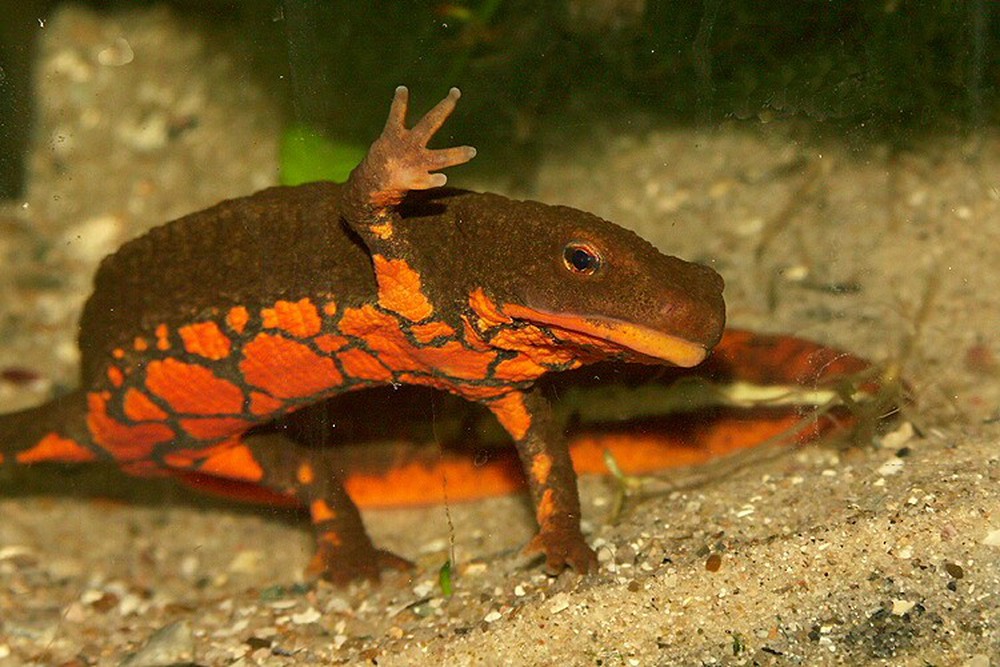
(871, 70)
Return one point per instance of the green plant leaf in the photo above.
(307, 156)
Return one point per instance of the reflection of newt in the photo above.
(755, 389)
(216, 324)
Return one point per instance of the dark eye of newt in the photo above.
(581, 258)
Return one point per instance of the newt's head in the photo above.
(587, 282)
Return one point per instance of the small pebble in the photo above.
(434, 546)
(559, 603)
(16, 552)
(423, 589)
(310, 615)
(75, 613)
(338, 605)
(899, 437)
(796, 273)
(473, 569)
(189, 565)
(171, 644)
(257, 643)
(130, 604)
(713, 562)
(246, 562)
(893, 466)
(119, 53)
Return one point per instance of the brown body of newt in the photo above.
(205, 330)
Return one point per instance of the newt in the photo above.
(205, 330)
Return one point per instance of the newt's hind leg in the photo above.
(344, 552)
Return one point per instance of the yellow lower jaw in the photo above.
(645, 341)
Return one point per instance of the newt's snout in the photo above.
(696, 310)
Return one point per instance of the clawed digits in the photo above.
(332, 564)
(562, 550)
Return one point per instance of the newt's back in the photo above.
(253, 251)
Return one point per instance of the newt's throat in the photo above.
(634, 337)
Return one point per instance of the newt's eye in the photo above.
(581, 258)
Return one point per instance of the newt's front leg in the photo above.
(399, 161)
(551, 479)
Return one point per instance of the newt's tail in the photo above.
(55, 431)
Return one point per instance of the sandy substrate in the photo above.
(828, 556)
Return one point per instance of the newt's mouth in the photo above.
(643, 340)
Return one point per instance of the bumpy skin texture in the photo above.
(207, 329)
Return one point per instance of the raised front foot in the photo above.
(399, 160)
(562, 549)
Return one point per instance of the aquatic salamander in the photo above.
(211, 326)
